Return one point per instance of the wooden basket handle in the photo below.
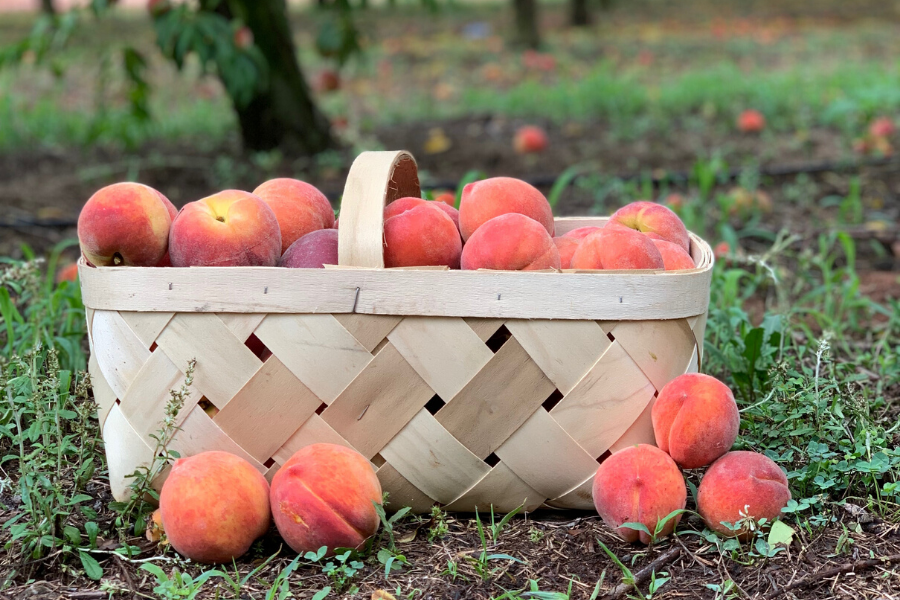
(375, 180)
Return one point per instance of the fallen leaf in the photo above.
(437, 142)
(780, 534)
(382, 595)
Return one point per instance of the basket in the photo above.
(466, 388)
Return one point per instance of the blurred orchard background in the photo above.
(630, 99)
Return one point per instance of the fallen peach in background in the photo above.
(214, 505)
(323, 496)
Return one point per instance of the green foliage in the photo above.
(481, 562)
(178, 585)
(49, 438)
(438, 527)
(206, 34)
(35, 311)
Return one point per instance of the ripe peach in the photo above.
(125, 224)
(231, 228)
(313, 251)
(483, 200)
(695, 419)
(243, 38)
(882, 127)
(751, 121)
(581, 232)
(722, 250)
(424, 235)
(402, 205)
(744, 201)
(566, 247)
(530, 139)
(446, 198)
(299, 207)
(617, 249)
(649, 217)
(741, 484)
(674, 257)
(511, 242)
(329, 81)
(213, 506)
(67, 273)
(323, 496)
(639, 484)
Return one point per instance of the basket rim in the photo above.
(583, 295)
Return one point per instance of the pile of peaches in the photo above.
(695, 422)
(502, 224)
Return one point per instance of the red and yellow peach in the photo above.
(617, 249)
(483, 200)
(299, 207)
(511, 242)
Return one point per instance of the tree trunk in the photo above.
(526, 23)
(47, 7)
(283, 115)
(579, 15)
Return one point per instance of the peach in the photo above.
(739, 485)
(329, 81)
(125, 224)
(566, 247)
(299, 207)
(695, 419)
(243, 38)
(402, 205)
(313, 251)
(882, 127)
(581, 232)
(483, 200)
(446, 198)
(231, 228)
(421, 236)
(530, 139)
(511, 242)
(617, 249)
(214, 505)
(650, 217)
(751, 121)
(67, 273)
(323, 496)
(674, 257)
(639, 484)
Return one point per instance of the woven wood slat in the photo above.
(470, 410)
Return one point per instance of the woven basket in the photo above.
(464, 388)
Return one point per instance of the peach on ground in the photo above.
(566, 247)
(299, 207)
(882, 127)
(446, 198)
(421, 236)
(483, 200)
(125, 224)
(214, 505)
(67, 273)
(231, 228)
(695, 419)
(323, 496)
(511, 242)
(650, 217)
(530, 139)
(617, 249)
(581, 232)
(741, 484)
(313, 251)
(751, 121)
(674, 257)
(639, 484)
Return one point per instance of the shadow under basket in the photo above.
(464, 388)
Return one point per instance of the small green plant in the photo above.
(392, 560)
(628, 576)
(660, 525)
(387, 523)
(178, 585)
(727, 590)
(452, 571)
(481, 562)
(342, 569)
(535, 535)
(142, 478)
(281, 585)
(438, 527)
